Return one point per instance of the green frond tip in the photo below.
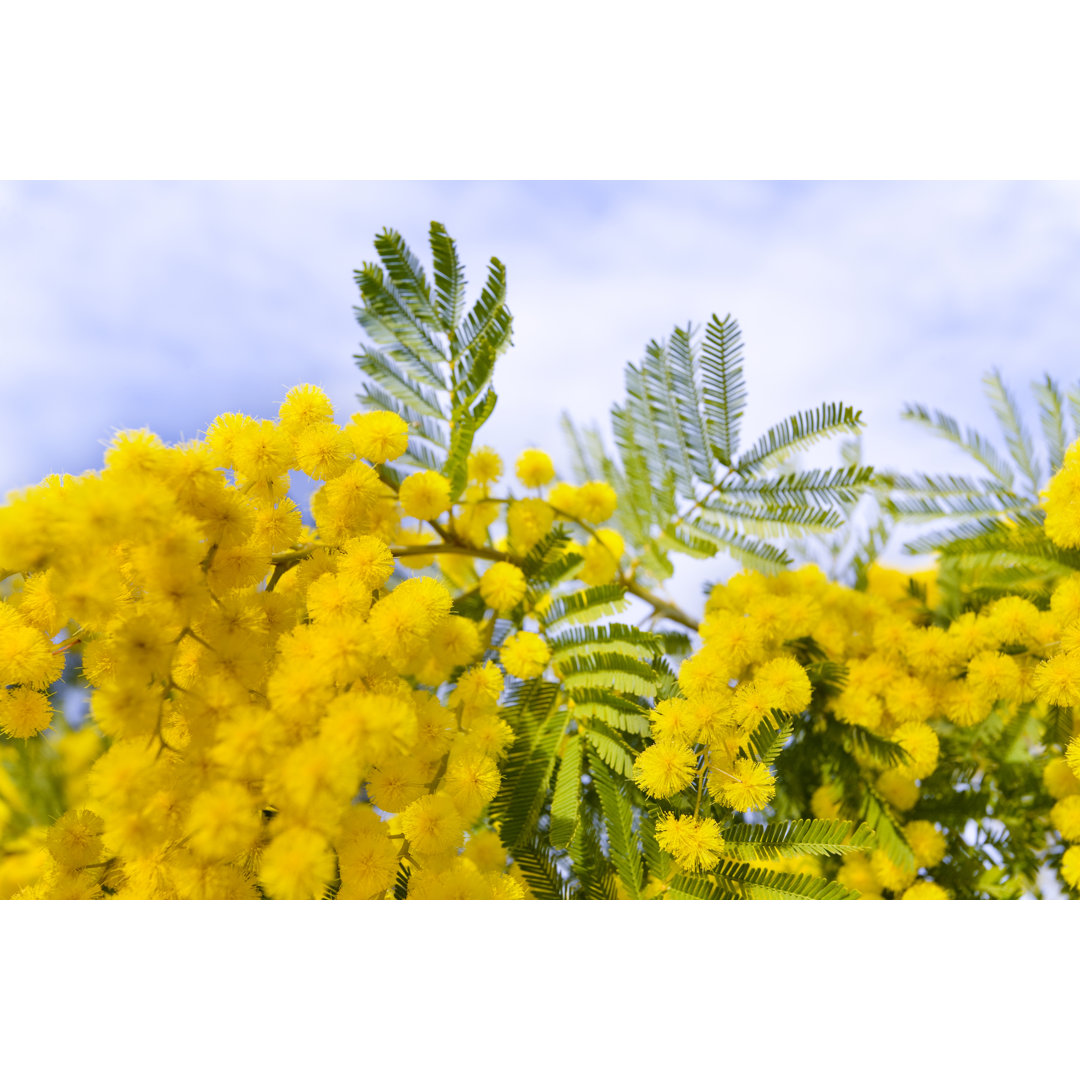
(724, 394)
(584, 605)
(407, 275)
(971, 442)
(449, 280)
(797, 432)
(802, 837)
(1016, 436)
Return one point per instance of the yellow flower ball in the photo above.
(1065, 817)
(525, 655)
(534, 468)
(378, 436)
(1070, 867)
(502, 586)
(665, 768)
(485, 466)
(926, 843)
(24, 712)
(425, 495)
(925, 890)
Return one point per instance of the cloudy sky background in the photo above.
(165, 304)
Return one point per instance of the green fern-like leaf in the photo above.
(798, 432)
(585, 605)
(618, 824)
(1016, 436)
(449, 279)
(607, 669)
(566, 802)
(802, 837)
(611, 748)
(724, 394)
(620, 713)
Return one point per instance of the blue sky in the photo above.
(164, 304)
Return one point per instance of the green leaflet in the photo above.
(610, 748)
(611, 637)
(530, 763)
(607, 669)
(584, 605)
(618, 824)
(878, 815)
(798, 432)
(732, 880)
(540, 870)
(724, 393)
(449, 279)
(801, 837)
(620, 713)
(971, 442)
(1016, 437)
(771, 736)
(566, 802)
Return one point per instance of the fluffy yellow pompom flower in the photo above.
(262, 451)
(296, 865)
(596, 501)
(1072, 755)
(708, 671)
(899, 790)
(909, 699)
(75, 839)
(528, 521)
(674, 720)
(1061, 497)
(1065, 817)
(26, 656)
(303, 406)
(478, 688)
(965, 704)
(369, 865)
(472, 780)
(1057, 680)
(425, 495)
(323, 451)
(564, 498)
(366, 561)
(1065, 601)
(926, 843)
(995, 674)
(748, 785)
(696, 844)
(502, 586)
(602, 555)
(925, 890)
(525, 655)
(785, 682)
(1070, 867)
(24, 713)
(921, 743)
(1059, 778)
(223, 821)
(664, 768)
(534, 468)
(378, 436)
(433, 825)
(485, 466)
(891, 876)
